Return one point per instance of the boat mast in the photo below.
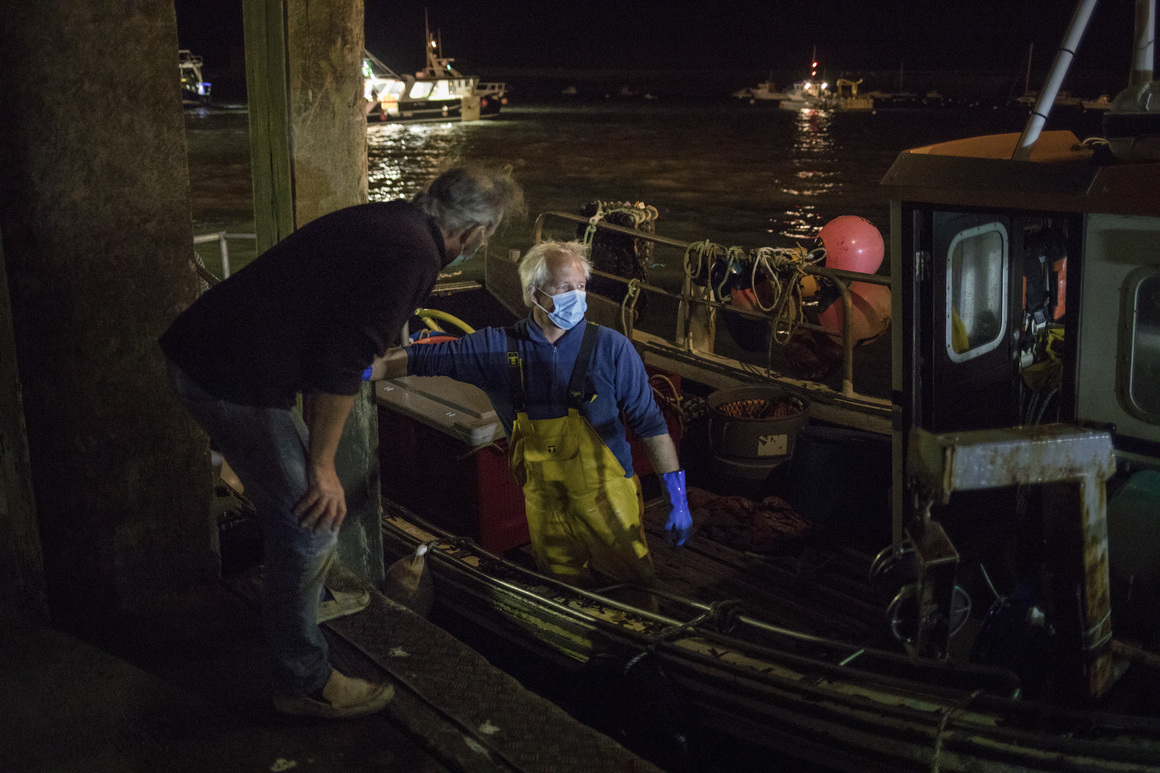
(1027, 78)
(1063, 58)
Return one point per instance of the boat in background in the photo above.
(766, 91)
(1102, 102)
(817, 95)
(438, 92)
(806, 95)
(194, 90)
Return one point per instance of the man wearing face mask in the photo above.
(560, 385)
(308, 316)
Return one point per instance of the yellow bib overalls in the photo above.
(584, 515)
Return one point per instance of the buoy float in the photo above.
(852, 244)
(871, 309)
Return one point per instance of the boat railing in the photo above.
(688, 299)
(221, 239)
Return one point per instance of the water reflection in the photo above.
(402, 158)
(816, 176)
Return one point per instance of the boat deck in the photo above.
(782, 569)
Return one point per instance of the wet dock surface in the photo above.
(190, 693)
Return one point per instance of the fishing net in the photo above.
(758, 408)
(619, 254)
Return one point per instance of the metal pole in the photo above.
(1059, 68)
(223, 245)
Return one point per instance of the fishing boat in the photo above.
(766, 91)
(806, 95)
(438, 92)
(194, 90)
(817, 95)
(957, 572)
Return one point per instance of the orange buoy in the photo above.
(871, 311)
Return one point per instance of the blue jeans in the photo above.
(266, 447)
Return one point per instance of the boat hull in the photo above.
(777, 695)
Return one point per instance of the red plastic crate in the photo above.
(468, 491)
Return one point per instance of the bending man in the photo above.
(310, 315)
(559, 385)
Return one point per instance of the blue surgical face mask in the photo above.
(468, 250)
(569, 308)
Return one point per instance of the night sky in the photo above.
(984, 36)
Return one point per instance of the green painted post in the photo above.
(268, 105)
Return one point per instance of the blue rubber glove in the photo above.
(679, 526)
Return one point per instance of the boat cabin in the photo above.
(1026, 294)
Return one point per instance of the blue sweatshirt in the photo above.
(616, 375)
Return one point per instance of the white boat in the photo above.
(817, 95)
(194, 90)
(438, 92)
(766, 91)
(806, 95)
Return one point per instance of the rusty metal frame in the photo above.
(1075, 465)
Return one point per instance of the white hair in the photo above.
(534, 265)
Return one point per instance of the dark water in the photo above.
(734, 173)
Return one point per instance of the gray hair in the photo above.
(534, 265)
(467, 196)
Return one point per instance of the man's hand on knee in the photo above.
(323, 507)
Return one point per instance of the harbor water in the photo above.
(734, 173)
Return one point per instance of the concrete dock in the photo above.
(187, 690)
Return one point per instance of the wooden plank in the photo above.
(268, 100)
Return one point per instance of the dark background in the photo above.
(734, 41)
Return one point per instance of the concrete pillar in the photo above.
(308, 144)
(21, 557)
(95, 218)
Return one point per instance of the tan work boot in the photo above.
(339, 603)
(341, 697)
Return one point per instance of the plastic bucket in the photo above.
(752, 430)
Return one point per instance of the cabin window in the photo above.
(1144, 378)
(976, 291)
(421, 89)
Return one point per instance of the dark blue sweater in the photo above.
(310, 313)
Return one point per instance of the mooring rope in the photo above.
(705, 250)
(628, 306)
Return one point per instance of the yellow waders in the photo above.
(584, 515)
